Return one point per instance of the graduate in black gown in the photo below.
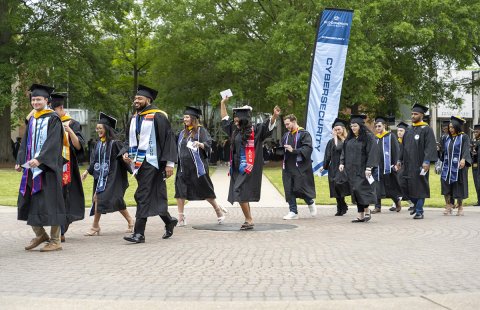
(358, 158)
(73, 144)
(297, 172)
(337, 180)
(475, 149)
(401, 128)
(109, 171)
(387, 185)
(456, 160)
(192, 180)
(40, 199)
(418, 151)
(152, 150)
(246, 156)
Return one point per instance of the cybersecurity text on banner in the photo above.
(326, 79)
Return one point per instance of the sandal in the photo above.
(93, 232)
(130, 228)
(182, 220)
(247, 226)
(358, 220)
(367, 217)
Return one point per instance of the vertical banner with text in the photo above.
(326, 79)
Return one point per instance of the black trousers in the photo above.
(141, 223)
(361, 208)
(476, 180)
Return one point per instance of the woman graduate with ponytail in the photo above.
(456, 160)
(109, 173)
(192, 181)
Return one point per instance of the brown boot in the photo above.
(398, 205)
(37, 241)
(51, 247)
(460, 210)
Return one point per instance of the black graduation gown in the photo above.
(47, 207)
(246, 187)
(356, 157)
(401, 180)
(73, 192)
(418, 146)
(459, 189)
(387, 185)
(111, 199)
(298, 174)
(151, 194)
(187, 184)
(337, 180)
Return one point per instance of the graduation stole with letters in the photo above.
(295, 140)
(146, 141)
(66, 176)
(387, 157)
(197, 160)
(450, 166)
(247, 155)
(36, 137)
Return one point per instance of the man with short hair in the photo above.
(72, 148)
(297, 173)
(40, 201)
(417, 153)
(152, 151)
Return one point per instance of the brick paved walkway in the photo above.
(326, 258)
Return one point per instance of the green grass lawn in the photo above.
(274, 174)
(10, 181)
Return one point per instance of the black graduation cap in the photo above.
(419, 108)
(426, 118)
(107, 120)
(358, 118)
(148, 92)
(57, 99)
(476, 127)
(445, 123)
(402, 125)
(385, 119)
(41, 90)
(339, 122)
(243, 112)
(457, 120)
(192, 111)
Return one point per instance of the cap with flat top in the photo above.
(37, 90)
(107, 120)
(146, 91)
(192, 111)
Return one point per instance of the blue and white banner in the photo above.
(326, 79)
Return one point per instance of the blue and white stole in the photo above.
(386, 138)
(146, 146)
(36, 137)
(197, 160)
(101, 167)
(451, 164)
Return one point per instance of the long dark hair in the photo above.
(457, 127)
(110, 133)
(362, 133)
(244, 128)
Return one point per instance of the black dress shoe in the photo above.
(392, 209)
(135, 238)
(418, 217)
(413, 212)
(411, 208)
(169, 228)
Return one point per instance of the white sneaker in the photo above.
(313, 209)
(291, 216)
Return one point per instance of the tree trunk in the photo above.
(5, 107)
(6, 155)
